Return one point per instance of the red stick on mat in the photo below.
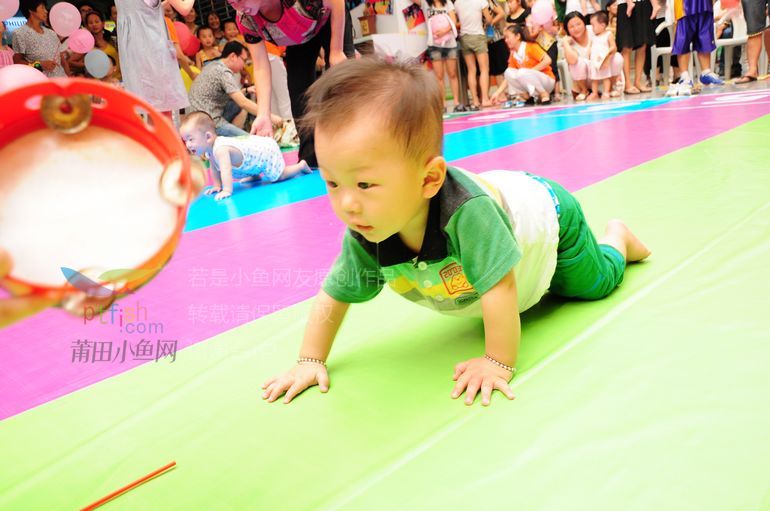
(131, 486)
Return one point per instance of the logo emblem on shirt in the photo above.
(454, 279)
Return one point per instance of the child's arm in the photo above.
(183, 7)
(225, 166)
(215, 177)
(502, 334)
(198, 62)
(610, 54)
(325, 319)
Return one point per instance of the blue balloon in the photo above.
(97, 63)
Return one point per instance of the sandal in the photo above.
(745, 79)
(580, 97)
(473, 108)
(632, 90)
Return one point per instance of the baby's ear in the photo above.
(434, 175)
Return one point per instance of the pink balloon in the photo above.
(193, 47)
(8, 8)
(18, 75)
(183, 33)
(81, 41)
(543, 12)
(65, 18)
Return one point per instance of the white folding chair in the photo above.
(739, 38)
(661, 51)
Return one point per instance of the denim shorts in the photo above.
(754, 12)
(439, 53)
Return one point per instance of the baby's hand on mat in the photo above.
(480, 374)
(223, 195)
(294, 381)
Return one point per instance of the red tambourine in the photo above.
(94, 190)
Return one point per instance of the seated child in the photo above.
(6, 53)
(209, 49)
(488, 246)
(250, 158)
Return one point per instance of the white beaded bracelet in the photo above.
(313, 360)
(500, 364)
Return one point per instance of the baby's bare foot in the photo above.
(635, 249)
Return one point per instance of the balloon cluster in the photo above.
(65, 20)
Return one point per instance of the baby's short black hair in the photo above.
(601, 16)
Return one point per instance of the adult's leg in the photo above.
(626, 53)
(579, 73)
(348, 48)
(300, 73)
(483, 60)
(280, 103)
(640, 55)
(438, 70)
(470, 63)
(754, 13)
(515, 86)
(451, 69)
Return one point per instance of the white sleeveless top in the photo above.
(261, 156)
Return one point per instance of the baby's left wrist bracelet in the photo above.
(300, 360)
(511, 369)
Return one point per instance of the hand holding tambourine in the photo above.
(94, 191)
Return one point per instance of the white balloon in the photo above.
(97, 63)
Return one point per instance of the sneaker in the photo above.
(711, 79)
(460, 108)
(514, 103)
(673, 90)
(685, 88)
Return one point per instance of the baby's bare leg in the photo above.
(292, 170)
(606, 88)
(595, 90)
(619, 236)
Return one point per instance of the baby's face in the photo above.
(231, 31)
(206, 37)
(198, 141)
(373, 188)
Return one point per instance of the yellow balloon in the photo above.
(186, 78)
